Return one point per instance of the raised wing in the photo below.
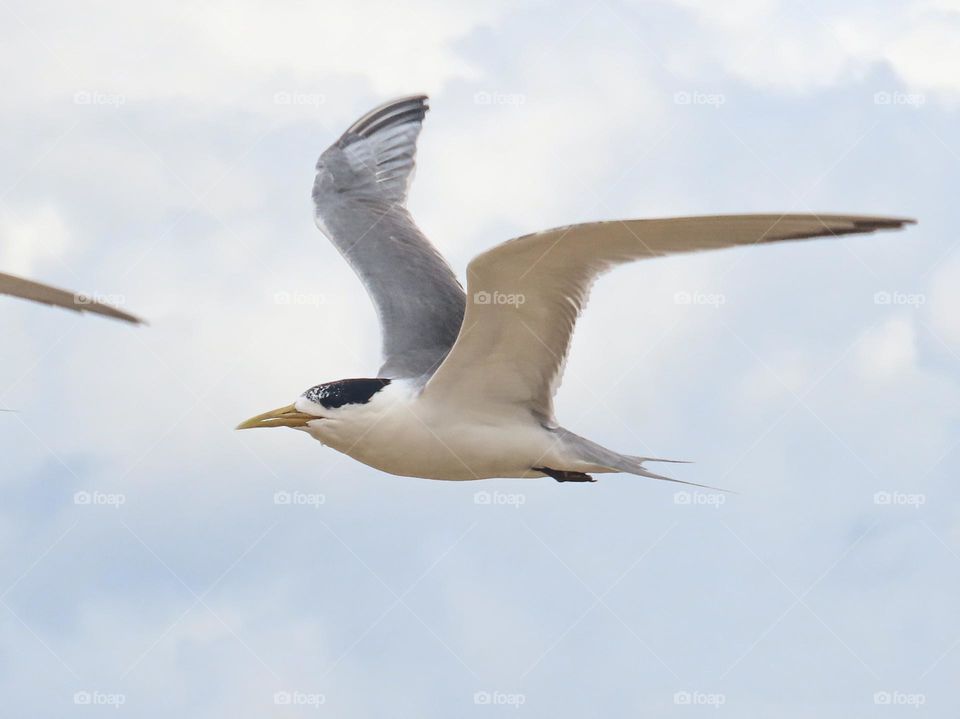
(526, 295)
(360, 194)
(29, 290)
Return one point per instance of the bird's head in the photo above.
(324, 401)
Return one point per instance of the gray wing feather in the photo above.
(45, 294)
(359, 195)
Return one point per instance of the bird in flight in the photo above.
(468, 379)
(45, 294)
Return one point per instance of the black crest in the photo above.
(345, 391)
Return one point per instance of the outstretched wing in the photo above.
(28, 290)
(526, 295)
(360, 194)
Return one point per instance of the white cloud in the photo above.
(801, 47)
(535, 158)
(231, 53)
(772, 44)
(887, 350)
(32, 238)
(927, 56)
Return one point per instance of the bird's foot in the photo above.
(561, 475)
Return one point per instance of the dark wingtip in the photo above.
(412, 108)
(840, 225)
(883, 223)
(104, 310)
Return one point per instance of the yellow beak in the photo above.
(283, 417)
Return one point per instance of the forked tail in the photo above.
(601, 456)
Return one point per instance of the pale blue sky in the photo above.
(162, 156)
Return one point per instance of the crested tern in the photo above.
(467, 382)
(47, 295)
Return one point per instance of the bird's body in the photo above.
(401, 431)
(467, 383)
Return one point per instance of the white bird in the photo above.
(467, 383)
(45, 294)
